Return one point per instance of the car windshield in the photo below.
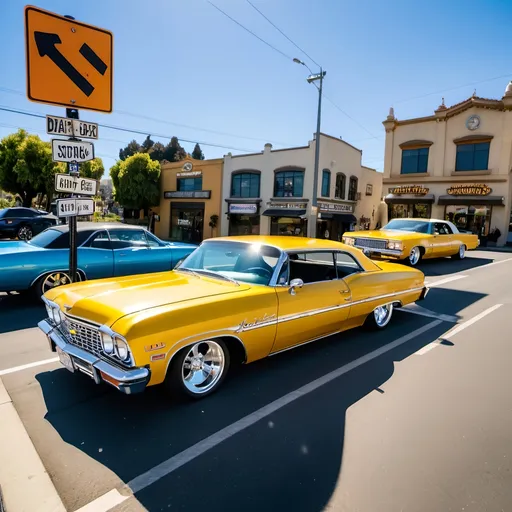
(45, 238)
(408, 225)
(238, 261)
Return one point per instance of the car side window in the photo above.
(312, 267)
(100, 241)
(441, 229)
(448, 229)
(346, 265)
(128, 239)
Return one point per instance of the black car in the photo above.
(24, 223)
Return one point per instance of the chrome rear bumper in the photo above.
(424, 292)
(128, 381)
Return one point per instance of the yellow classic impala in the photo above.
(233, 300)
(411, 240)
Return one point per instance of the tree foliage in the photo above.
(197, 153)
(26, 166)
(136, 181)
(147, 144)
(93, 169)
(157, 151)
(173, 151)
(130, 150)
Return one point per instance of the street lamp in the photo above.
(313, 77)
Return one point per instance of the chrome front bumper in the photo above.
(128, 381)
(387, 252)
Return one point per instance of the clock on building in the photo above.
(473, 122)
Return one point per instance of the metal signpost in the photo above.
(69, 64)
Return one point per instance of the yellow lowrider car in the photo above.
(233, 300)
(412, 240)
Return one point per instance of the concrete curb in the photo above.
(26, 486)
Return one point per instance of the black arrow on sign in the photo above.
(46, 46)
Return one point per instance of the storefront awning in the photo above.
(284, 212)
(409, 199)
(347, 218)
(472, 200)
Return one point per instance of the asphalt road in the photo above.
(415, 418)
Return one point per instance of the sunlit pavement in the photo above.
(414, 418)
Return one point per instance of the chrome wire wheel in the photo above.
(53, 280)
(382, 315)
(414, 256)
(25, 233)
(203, 367)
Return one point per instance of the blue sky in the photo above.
(186, 64)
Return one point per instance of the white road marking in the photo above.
(165, 468)
(419, 310)
(444, 281)
(105, 502)
(27, 366)
(456, 330)
(488, 265)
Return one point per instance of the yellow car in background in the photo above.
(411, 240)
(233, 300)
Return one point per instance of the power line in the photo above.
(251, 32)
(283, 34)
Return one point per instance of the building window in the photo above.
(472, 157)
(190, 184)
(352, 189)
(245, 184)
(289, 184)
(414, 160)
(369, 189)
(341, 181)
(326, 183)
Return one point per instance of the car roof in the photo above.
(94, 226)
(422, 220)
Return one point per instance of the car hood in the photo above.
(385, 234)
(107, 300)
(17, 246)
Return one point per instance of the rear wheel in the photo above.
(461, 253)
(380, 317)
(24, 233)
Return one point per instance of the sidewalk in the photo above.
(25, 484)
(495, 249)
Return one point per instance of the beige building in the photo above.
(454, 165)
(271, 192)
(190, 200)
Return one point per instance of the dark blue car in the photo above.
(24, 223)
(104, 250)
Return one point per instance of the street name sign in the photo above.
(75, 185)
(69, 63)
(72, 150)
(74, 207)
(71, 127)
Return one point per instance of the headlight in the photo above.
(49, 311)
(53, 312)
(107, 342)
(122, 351)
(348, 240)
(395, 245)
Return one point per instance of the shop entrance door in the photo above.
(187, 223)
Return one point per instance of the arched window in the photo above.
(326, 183)
(245, 184)
(352, 188)
(341, 183)
(289, 183)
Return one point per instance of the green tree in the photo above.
(114, 174)
(132, 148)
(93, 169)
(157, 151)
(147, 144)
(138, 182)
(197, 153)
(26, 166)
(173, 151)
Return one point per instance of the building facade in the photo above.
(271, 192)
(453, 165)
(190, 200)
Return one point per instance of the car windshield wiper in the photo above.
(218, 274)
(193, 272)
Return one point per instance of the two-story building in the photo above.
(272, 192)
(454, 165)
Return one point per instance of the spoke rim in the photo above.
(25, 233)
(414, 256)
(55, 279)
(203, 367)
(462, 251)
(382, 314)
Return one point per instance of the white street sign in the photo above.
(74, 207)
(75, 185)
(72, 150)
(71, 127)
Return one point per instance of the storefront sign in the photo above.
(195, 194)
(478, 189)
(187, 166)
(184, 222)
(243, 209)
(288, 206)
(189, 174)
(336, 207)
(416, 190)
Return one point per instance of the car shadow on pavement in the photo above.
(19, 311)
(289, 460)
(443, 266)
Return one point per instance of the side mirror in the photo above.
(295, 283)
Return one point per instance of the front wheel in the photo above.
(380, 317)
(199, 369)
(50, 281)
(24, 233)
(414, 256)
(461, 253)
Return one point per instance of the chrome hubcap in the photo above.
(203, 366)
(25, 233)
(382, 314)
(54, 280)
(414, 256)
(462, 251)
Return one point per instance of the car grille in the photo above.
(370, 243)
(83, 336)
